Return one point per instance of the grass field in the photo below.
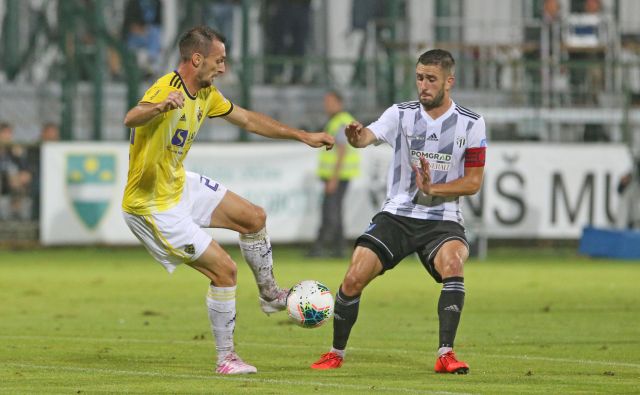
(111, 320)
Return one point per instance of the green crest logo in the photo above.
(90, 184)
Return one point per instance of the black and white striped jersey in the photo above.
(444, 142)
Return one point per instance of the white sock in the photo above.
(444, 350)
(339, 352)
(221, 304)
(256, 250)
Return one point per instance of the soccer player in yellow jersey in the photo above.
(166, 207)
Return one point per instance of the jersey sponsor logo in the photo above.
(179, 137)
(432, 137)
(90, 183)
(437, 161)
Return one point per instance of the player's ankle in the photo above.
(340, 353)
(444, 350)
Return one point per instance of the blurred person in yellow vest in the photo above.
(335, 168)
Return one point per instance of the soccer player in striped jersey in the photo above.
(439, 154)
(166, 207)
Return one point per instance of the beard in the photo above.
(430, 104)
(205, 80)
(205, 83)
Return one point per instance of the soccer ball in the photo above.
(309, 304)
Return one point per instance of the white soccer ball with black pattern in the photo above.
(310, 304)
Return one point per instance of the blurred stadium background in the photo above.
(558, 82)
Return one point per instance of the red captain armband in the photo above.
(474, 157)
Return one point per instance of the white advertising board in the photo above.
(529, 191)
(549, 191)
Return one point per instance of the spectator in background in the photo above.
(336, 168)
(218, 14)
(541, 50)
(286, 24)
(630, 57)
(15, 178)
(49, 132)
(628, 215)
(142, 32)
(586, 41)
(363, 12)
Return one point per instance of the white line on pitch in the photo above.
(367, 388)
(295, 346)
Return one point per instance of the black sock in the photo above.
(344, 316)
(450, 308)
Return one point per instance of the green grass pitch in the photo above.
(111, 320)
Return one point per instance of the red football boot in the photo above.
(448, 363)
(330, 360)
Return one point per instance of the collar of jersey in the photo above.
(424, 113)
(184, 86)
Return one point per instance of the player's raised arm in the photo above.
(266, 126)
(145, 112)
(359, 136)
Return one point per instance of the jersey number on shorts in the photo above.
(207, 182)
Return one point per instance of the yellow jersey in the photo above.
(157, 149)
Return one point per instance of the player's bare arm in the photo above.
(263, 125)
(359, 136)
(468, 184)
(145, 112)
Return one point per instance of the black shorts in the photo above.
(393, 237)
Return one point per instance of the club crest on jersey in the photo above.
(460, 141)
(90, 182)
(437, 160)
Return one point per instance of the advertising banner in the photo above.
(529, 191)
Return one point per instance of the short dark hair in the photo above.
(335, 94)
(438, 57)
(198, 40)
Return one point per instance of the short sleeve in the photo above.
(477, 136)
(157, 93)
(475, 154)
(219, 105)
(386, 127)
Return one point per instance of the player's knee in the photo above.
(451, 266)
(258, 220)
(230, 269)
(352, 285)
(226, 272)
